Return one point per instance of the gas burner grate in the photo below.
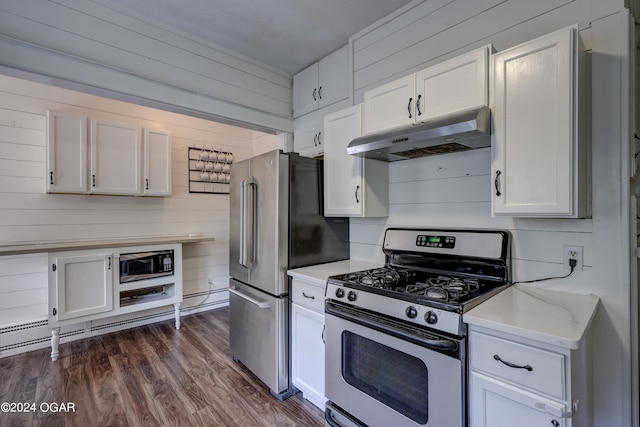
(443, 288)
(385, 277)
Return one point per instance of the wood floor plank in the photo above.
(151, 375)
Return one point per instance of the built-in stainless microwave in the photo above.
(145, 265)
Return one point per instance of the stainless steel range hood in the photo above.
(466, 130)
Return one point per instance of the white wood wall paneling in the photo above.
(447, 36)
(379, 31)
(74, 73)
(74, 31)
(418, 32)
(610, 110)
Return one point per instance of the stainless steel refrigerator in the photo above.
(276, 224)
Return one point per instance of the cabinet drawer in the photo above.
(547, 369)
(308, 295)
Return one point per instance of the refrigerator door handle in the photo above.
(256, 302)
(243, 222)
(248, 222)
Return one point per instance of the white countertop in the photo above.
(319, 273)
(38, 247)
(553, 317)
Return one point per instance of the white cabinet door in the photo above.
(534, 165)
(305, 90)
(390, 105)
(458, 84)
(157, 163)
(322, 83)
(353, 186)
(66, 153)
(498, 404)
(307, 354)
(116, 158)
(342, 172)
(333, 77)
(80, 285)
(307, 135)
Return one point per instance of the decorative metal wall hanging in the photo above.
(209, 170)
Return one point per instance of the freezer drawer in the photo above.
(258, 334)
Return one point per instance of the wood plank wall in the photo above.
(87, 43)
(28, 214)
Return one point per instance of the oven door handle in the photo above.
(390, 327)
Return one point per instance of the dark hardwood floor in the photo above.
(148, 376)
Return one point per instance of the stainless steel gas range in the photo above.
(395, 342)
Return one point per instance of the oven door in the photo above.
(386, 373)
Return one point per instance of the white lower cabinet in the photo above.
(80, 284)
(519, 382)
(307, 328)
(84, 285)
(498, 404)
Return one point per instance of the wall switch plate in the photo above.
(572, 252)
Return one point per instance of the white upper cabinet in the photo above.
(353, 186)
(116, 158)
(157, 162)
(66, 153)
(307, 135)
(109, 158)
(458, 84)
(537, 161)
(322, 83)
(390, 105)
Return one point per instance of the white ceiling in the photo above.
(285, 34)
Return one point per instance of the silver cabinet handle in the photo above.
(259, 303)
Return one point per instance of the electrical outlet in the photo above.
(572, 252)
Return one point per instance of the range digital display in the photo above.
(445, 242)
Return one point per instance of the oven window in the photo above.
(393, 378)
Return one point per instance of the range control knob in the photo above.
(430, 317)
(351, 296)
(411, 312)
(339, 292)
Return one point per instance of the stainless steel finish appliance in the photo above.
(464, 130)
(396, 351)
(145, 265)
(276, 224)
